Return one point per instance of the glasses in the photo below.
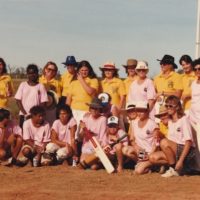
(141, 70)
(197, 69)
(170, 106)
(50, 69)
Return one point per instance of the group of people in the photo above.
(153, 125)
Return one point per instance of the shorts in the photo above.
(190, 156)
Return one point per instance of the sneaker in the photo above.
(170, 172)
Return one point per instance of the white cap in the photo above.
(142, 105)
(113, 120)
(142, 65)
(130, 105)
(104, 97)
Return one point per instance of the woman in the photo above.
(82, 90)
(187, 78)
(6, 86)
(142, 142)
(113, 85)
(48, 79)
(178, 147)
(143, 89)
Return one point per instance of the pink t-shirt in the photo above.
(96, 126)
(39, 135)
(31, 95)
(63, 131)
(12, 128)
(144, 136)
(194, 112)
(141, 92)
(119, 134)
(180, 131)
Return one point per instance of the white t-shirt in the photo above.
(63, 131)
(31, 95)
(39, 135)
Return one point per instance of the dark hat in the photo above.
(167, 59)
(96, 103)
(70, 60)
(130, 63)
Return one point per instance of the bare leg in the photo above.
(143, 167)
(158, 158)
(118, 148)
(169, 149)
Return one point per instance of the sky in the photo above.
(37, 31)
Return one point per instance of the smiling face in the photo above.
(95, 112)
(142, 73)
(64, 116)
(142, 114)
(109, 73)
(32, 75)
(187, 67)
(197, 71)
(38, 119)
(50, 71)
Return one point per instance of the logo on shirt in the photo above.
(148, 132)
(145, 89)
(170, 84)
(178, 129)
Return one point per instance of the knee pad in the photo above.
(51, 148)
(62, 153)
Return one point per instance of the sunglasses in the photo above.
(50, 69)
(170, 106)
(197, 69)
(141, 70)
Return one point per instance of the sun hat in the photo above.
(96, 103)
(52, 99)
(143, 105)
(113, 120)
(130, 63)
(70, 60)
(104, 97)
(168, 59)
(130, 105)
(162, 111)
(109, 65)
(142, 65)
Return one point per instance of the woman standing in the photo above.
(143, 89)
(6, 86)
(82, 90)
(112, 85)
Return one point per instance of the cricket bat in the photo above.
(99, 151)
(118, 140)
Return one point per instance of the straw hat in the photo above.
(130, 63)
(52, 99)
(109, 65)
(162, 111)
(142, 65)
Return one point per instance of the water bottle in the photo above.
(74, 163)
(35, 162)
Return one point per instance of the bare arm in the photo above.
(2, 136)
(90, 90)
(69, 100)
(122, 101)
(72, 136)
(184, 153)
(54, 139)
(20, 106)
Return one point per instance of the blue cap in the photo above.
(70, 60)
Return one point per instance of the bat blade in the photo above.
(102, 156)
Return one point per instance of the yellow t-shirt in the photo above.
(163, 129)
(115, 88)
(171, 83)
(5, 85)
(66, 79)
(187, 80)
(78, 94)
(53, 84)
(127, 83)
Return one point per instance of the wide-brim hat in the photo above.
(130, 105)
(168, 59)
(109, 65)
(162, 111)
(70, 60)
(142, 105)
(96, 103)
(52, 99)
(130, 63)
(142, 65)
